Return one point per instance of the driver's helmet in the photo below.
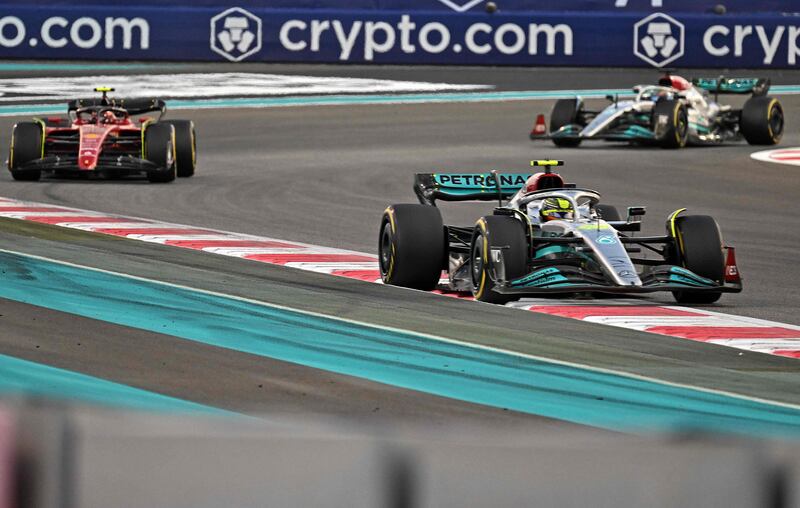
(109, 116)
(676, 82)
(556, 208)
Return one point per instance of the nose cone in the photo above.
(87, 159)
(92, 137)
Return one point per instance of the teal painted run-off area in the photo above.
(393, 357)
(21, 377)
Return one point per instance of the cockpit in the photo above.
(573, 205)
(656, 93)
(94, 115)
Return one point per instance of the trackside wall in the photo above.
(628, 33)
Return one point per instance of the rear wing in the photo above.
(132, 106)
(466, 186)
(722, 85)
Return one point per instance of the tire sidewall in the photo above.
(412, 246)
(26, 144)
(757, 117)
(699, 249)
(185, 147)
(675, 133)
(492, 231)
(160, 150)
(565, 112)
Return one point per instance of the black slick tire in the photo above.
(411, 246)
(185, 147)
(159, 148)
(491, 232)
(671, 123)
(26, 146)
(699, 249)
(762, 121)
(608, 212)
(565, 112)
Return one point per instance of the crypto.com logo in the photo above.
(461, 5)
(658, 39)
(235, 34)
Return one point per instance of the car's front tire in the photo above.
(671, 123)
(412, 249)
(496, 232)
(159, 144)
(565, 112)
(185, 147)
(26, 146)
(699, 249)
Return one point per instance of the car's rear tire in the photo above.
(185, 147)
(671, 123)
(412, 248)
(608, 212)
(26, 146)
(159, 143)
(701, 252)
(565, 112)
(491, 232)
(762, 121)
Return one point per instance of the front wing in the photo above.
(623, 133)
(571, 279)
(106, 163)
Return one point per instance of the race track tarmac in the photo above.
(323, 175)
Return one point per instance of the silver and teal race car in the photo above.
(548, 238)
(672, 114)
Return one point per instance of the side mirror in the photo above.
(635, 213)
(610, 97)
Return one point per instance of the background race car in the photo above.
(98, 136)
(672, 114)
(550, 237)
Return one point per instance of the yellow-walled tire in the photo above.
(185, 147)
(699, 249)
(762, 121)
(412, 249)
(26, 146)
(671, 123)
(159, 142)
(496, 231)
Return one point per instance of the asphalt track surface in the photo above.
(323, 175)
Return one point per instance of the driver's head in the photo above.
(109, 116)
(556, 208)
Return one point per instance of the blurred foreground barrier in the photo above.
(87, 458)
(360, 33)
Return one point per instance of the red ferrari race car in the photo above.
(99, 137)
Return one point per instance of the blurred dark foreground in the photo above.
(54, 456)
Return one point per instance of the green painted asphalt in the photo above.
(29, 379)
(408, 360)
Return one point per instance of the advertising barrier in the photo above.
(392, 37)
(506, 6)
